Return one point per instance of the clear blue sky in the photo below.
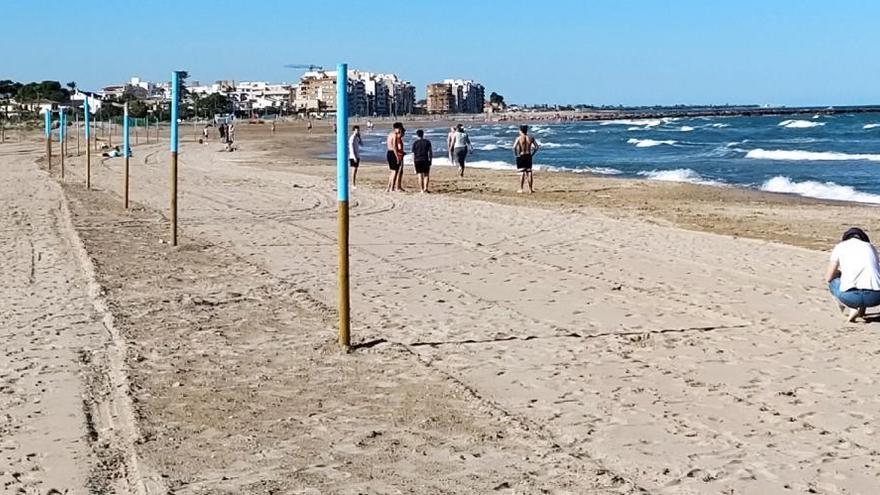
(792, 52)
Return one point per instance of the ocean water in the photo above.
(830, 157)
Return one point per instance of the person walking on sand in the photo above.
(461, 144)
(423, 155)
(354, 153)
(450, 141)
(205, 133)
(394, 155)
(222, 131)
(309, 126)
(853, 274)
(524, 149)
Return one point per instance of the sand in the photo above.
(576, 341)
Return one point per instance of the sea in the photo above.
(821, 156)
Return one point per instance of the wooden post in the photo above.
(88, 134)
(175, 89)
(342, 203)
(125, 149)
(47, 120)
(61, 129)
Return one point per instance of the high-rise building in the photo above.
(368, 93)
(440, 98)
(470, 96)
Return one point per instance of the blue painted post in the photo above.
(127, 150)
(342, 199)
(47, 122)
(62, 127)
(88, 134)
(175, 89)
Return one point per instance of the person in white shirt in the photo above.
(853, 274)
(354, 153)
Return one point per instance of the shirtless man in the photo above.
(394, 155)
(524, 149)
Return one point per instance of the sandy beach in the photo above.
(600, 336)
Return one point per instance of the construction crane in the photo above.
(308, 67)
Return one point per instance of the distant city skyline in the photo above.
(640, 52)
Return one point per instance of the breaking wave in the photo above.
(808, 155)
(799, 124)
(678, 175)
(822, 190)
(649, 143)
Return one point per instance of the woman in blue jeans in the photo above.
(854, 274)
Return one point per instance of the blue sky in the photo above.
(790, 52)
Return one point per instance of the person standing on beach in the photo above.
(354, 153)
(394, 155)
(222, 131)
(461, 144)
(524, 149)
(205, 133)
(309, 126)
(423, 155)
(450, 141)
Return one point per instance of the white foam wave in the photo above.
(559, 145)
(799, 124)
(678, 175)
(797, 155)
(871, 126)
(587, 131)
(488, 147)
(649, 143)
(822, 190)
(719, 125)
(686, 128)
(631, 122)
(580, 170)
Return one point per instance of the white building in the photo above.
(469, 96)
(78, 97)
(368, 93)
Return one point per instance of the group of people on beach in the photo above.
(458, 144)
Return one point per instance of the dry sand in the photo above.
(575, 341)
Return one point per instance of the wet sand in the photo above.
(600, 336)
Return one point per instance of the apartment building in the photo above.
(440, 98)
(469, 96)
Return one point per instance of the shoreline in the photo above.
(786, 218)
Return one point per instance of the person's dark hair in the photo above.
(397, 125)
(524, 129)
(857, 233)
(420, 133)
(459, 128)
(356, 128)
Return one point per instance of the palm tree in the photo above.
(72, 86)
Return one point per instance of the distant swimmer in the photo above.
(524, 149)
(394, 155)
(853, 274)
(461, 144)
(423, 155)
(354, 153)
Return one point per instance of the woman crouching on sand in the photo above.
(854, 275)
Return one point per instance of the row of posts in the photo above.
(126, 146)
(341, 177)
